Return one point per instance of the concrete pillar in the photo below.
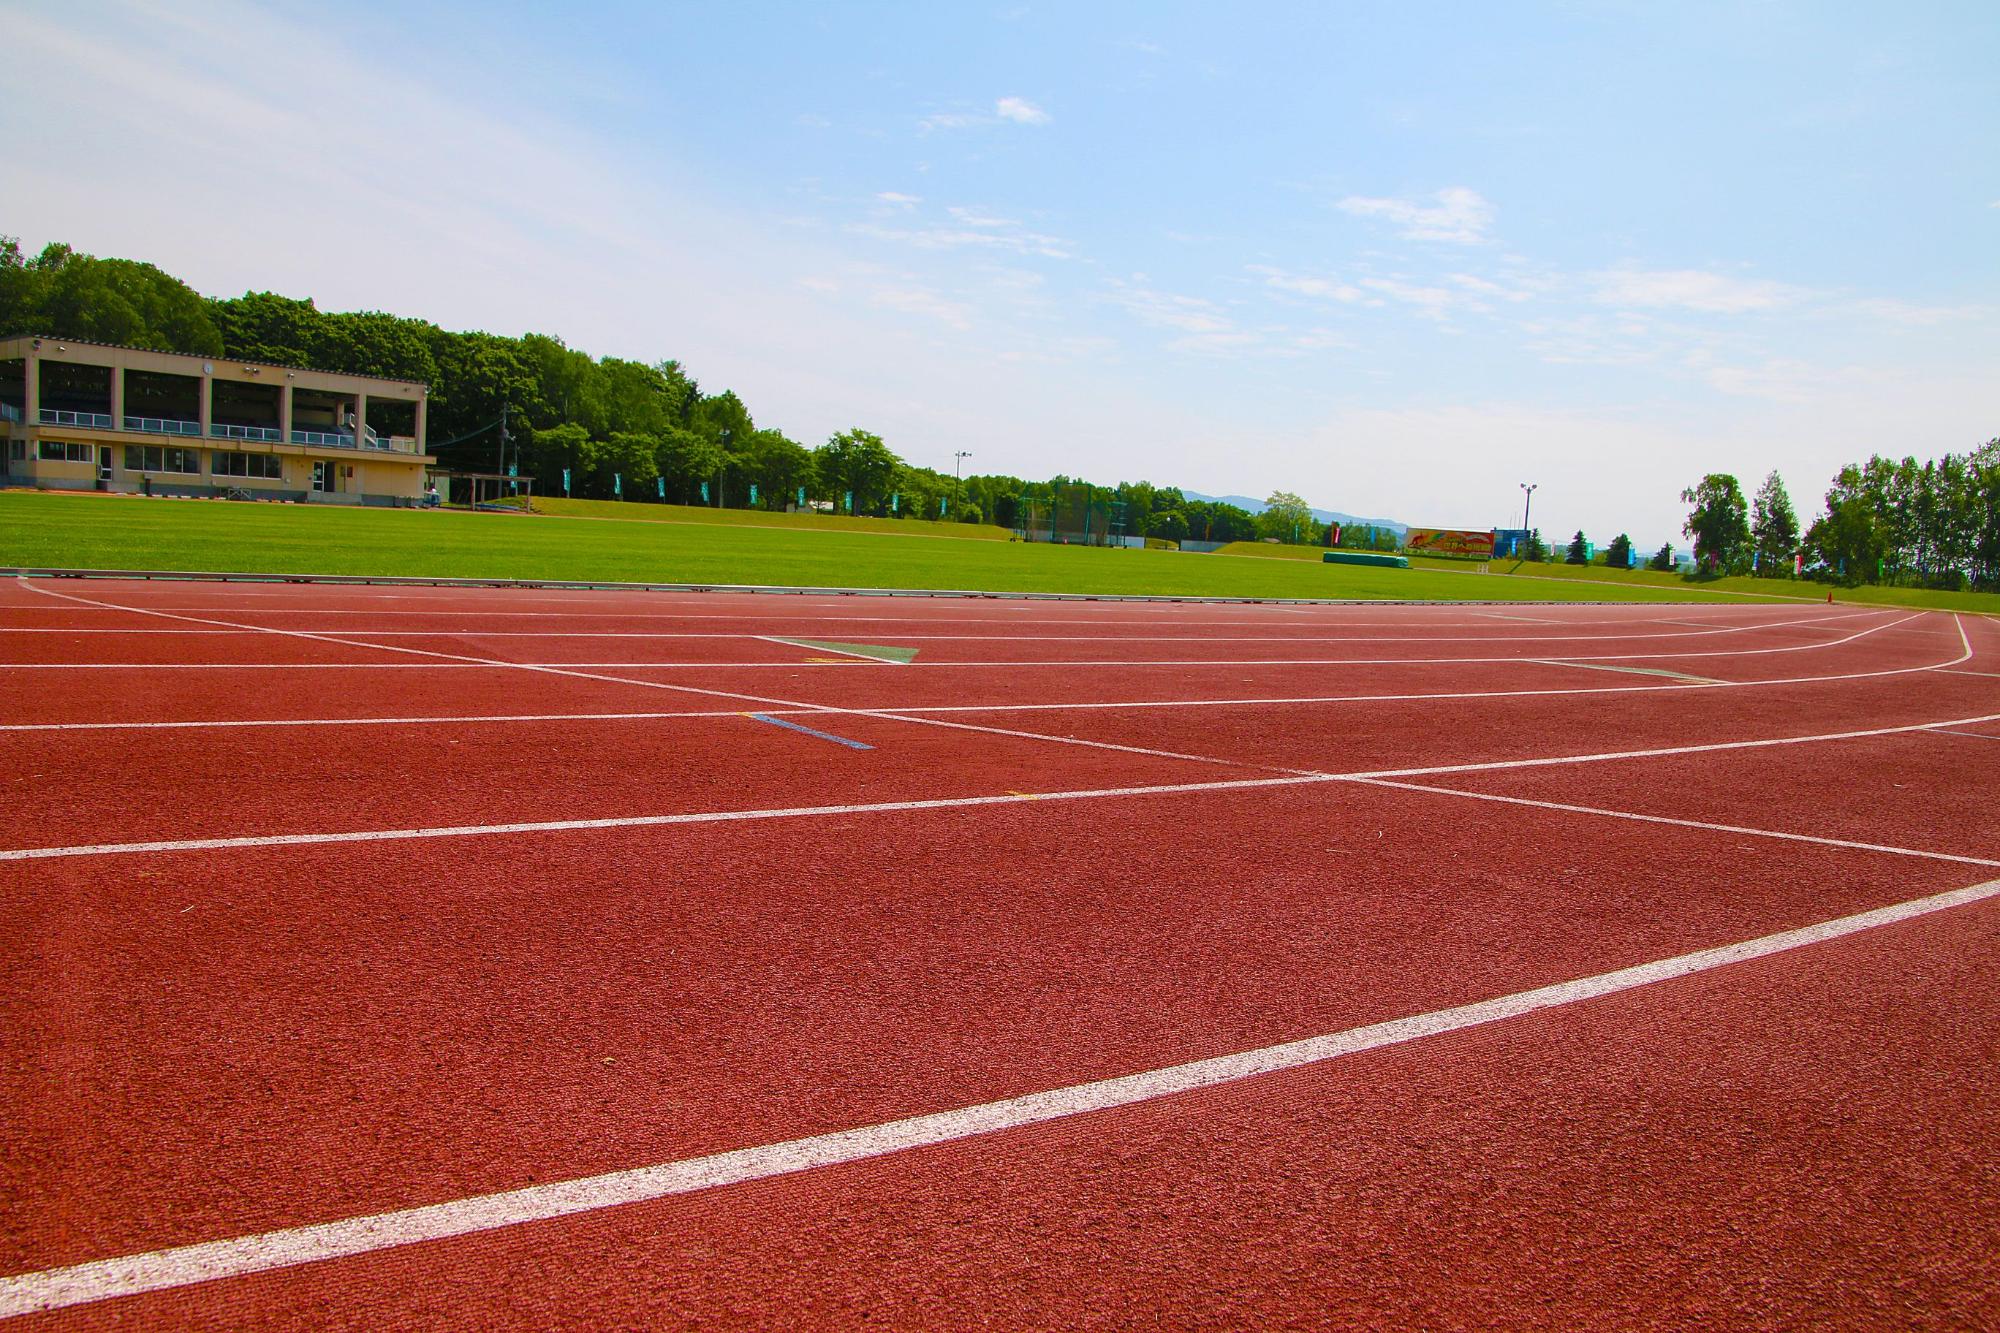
(360, 419)
(118, 398)
(285, 410)
(423, 402)
(31, 380)
(207, 398)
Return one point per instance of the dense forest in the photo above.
(638, 431)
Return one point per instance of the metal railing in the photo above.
(322, 439)
(163, 425)
(227, 432)
(9, 412)
(56, 416)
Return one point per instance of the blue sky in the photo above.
(1398, 258)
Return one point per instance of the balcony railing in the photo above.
(56, 416)
(323, 439)
(9, 412)
(163, 425)
(227, 432)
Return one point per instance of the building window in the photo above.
(268, 466)
(17, 450)
(144, 458)
(183, 460)
(59, 451)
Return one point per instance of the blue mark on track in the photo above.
(823, 735)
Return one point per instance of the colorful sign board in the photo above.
(1448, 541)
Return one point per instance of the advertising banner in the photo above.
(1449, 541)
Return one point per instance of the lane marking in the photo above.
(1990, 675)
(1635, 670)
(1613, 633)
(810, 731)
(1281, 779)
(867, 652)
(466, 660)
(1637, 817)
(207, 1261)
(1975, 735)
(929, 709)
(794, 705)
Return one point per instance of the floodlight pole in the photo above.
(1526, 505)
(957, 487)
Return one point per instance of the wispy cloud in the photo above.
(1008, 239)
(972, 217)
(1020, 111)
(923, 301)
(898, 200)
(1006, 111)
(1458, 215)
(1691, 289)
(1305, 284)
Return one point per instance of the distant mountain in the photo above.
(1323, 515)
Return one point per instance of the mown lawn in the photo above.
(758, 518)
(128, 532)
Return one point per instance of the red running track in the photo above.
(368, 989)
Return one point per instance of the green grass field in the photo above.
(618, 511)
(126, 532)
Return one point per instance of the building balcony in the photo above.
(323, 439)
(163, 425)
(265, 434)
(56, 416)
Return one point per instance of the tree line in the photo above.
(1933, 524)
(605, 428)
(591, 427)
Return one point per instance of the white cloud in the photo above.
(898, 200)
(923, 301)
(1020, 111)
(971, 217)
(1459, 216)
(979, 237)
(1691, 289)
(1188, 314)
(1301, 284)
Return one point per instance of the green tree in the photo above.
(1171, 526)
(1286, 517)
(1619, 554)
(1719, 522)
(856, 461)
(1579, 550)
(1663, 559)
(1774, 528)
(1535, 548)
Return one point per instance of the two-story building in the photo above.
(91, 416)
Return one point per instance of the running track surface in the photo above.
(507, 959)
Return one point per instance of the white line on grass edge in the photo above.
(181, 1266)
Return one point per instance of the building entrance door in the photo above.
(103, 467)
(322, 475)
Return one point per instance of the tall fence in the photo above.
(1073, 516)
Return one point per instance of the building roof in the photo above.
(204, 356)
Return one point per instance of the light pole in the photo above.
(1527, 504)
(958, 461)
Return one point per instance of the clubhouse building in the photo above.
(85, 416)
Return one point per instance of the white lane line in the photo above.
(1989, 675)
(1636, 817)
(1975, 735)
(1681, 676)
(933, 709)
(794, 706)
(802, 646)
(1283, 779)
(572, 668)
(208, 1261)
